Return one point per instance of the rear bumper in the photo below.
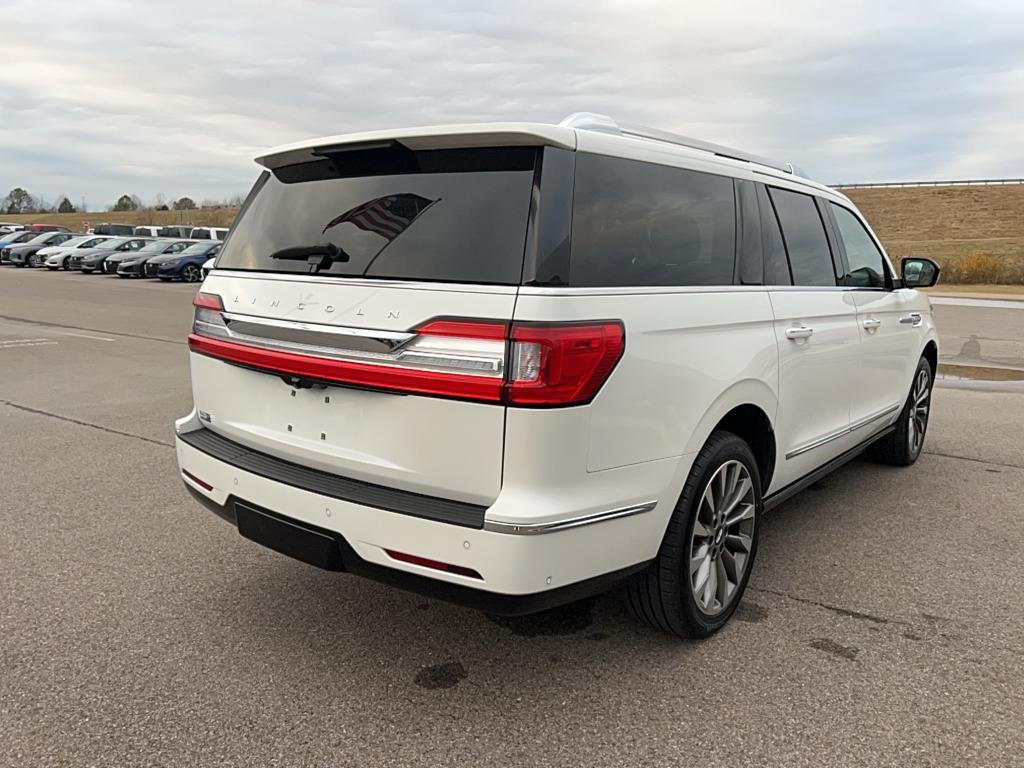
(338, 527)
(330, 551)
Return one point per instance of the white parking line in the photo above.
(86, 336)
(25, 343)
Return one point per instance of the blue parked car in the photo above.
(15, 238)
(186, 266)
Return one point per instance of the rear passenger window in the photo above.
(810, 259)
(867, 267)
(637, 224)
(776, 266)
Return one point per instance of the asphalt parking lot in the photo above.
(883, 625)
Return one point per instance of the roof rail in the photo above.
(591, 121)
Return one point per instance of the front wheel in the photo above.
(191, 274)
(704, 563)
(903, 446)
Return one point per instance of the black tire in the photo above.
(898, 448)
(65, 265)
(662, 596)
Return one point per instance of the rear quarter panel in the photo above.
(690, 357)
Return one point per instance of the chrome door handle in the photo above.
(799, 332)
(914, 318)
(870, 323)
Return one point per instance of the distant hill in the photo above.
(975, 232)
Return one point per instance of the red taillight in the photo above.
(208, 301)
(367, 375)
(520, 364)
(465, 329)
(437, 565)
(561, 364)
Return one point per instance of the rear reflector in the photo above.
(436, 565)
(202, 484)
(520, 364)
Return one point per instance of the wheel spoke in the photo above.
(745, 512)
(710, 586)
(709, 498)
(737, 542)
(739, 493)
(722, 582)
(703, 570)
(700, 530)
(732, 567)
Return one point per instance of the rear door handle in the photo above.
(870, 323)
(799, 332)
(914, 318)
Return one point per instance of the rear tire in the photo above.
(903, 446)
(705, 560)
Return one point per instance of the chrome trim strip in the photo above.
(533, 290)
(363, 282)
(529, 529)
(470, 357)
(859, 424)
(341, 330)
(818, 442)
(874, 417)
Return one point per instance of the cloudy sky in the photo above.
(104, 97)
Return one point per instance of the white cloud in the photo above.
(102, 97)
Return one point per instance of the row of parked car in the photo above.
(186, 231)
(166, 258)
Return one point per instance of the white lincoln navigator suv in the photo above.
(511, 365)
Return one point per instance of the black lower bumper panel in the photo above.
(330, 551)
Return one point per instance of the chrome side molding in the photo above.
(528, 529)
(859, 424)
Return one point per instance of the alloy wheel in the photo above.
(920, 399)
(191, 273)
(722, 537)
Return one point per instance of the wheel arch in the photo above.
(748, 410)
(931, 354)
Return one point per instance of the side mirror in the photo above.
(919, 273)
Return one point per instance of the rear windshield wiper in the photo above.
(318, 256)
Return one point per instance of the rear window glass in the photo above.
(641, 224)
(810, 258)
(445, 215)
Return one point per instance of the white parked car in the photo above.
(208, 233)
(55, 257)
(524, 363)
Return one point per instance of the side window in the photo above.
(776, 266)
(638, 224)
(750, 249)
(867, 265)
(810, 258)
